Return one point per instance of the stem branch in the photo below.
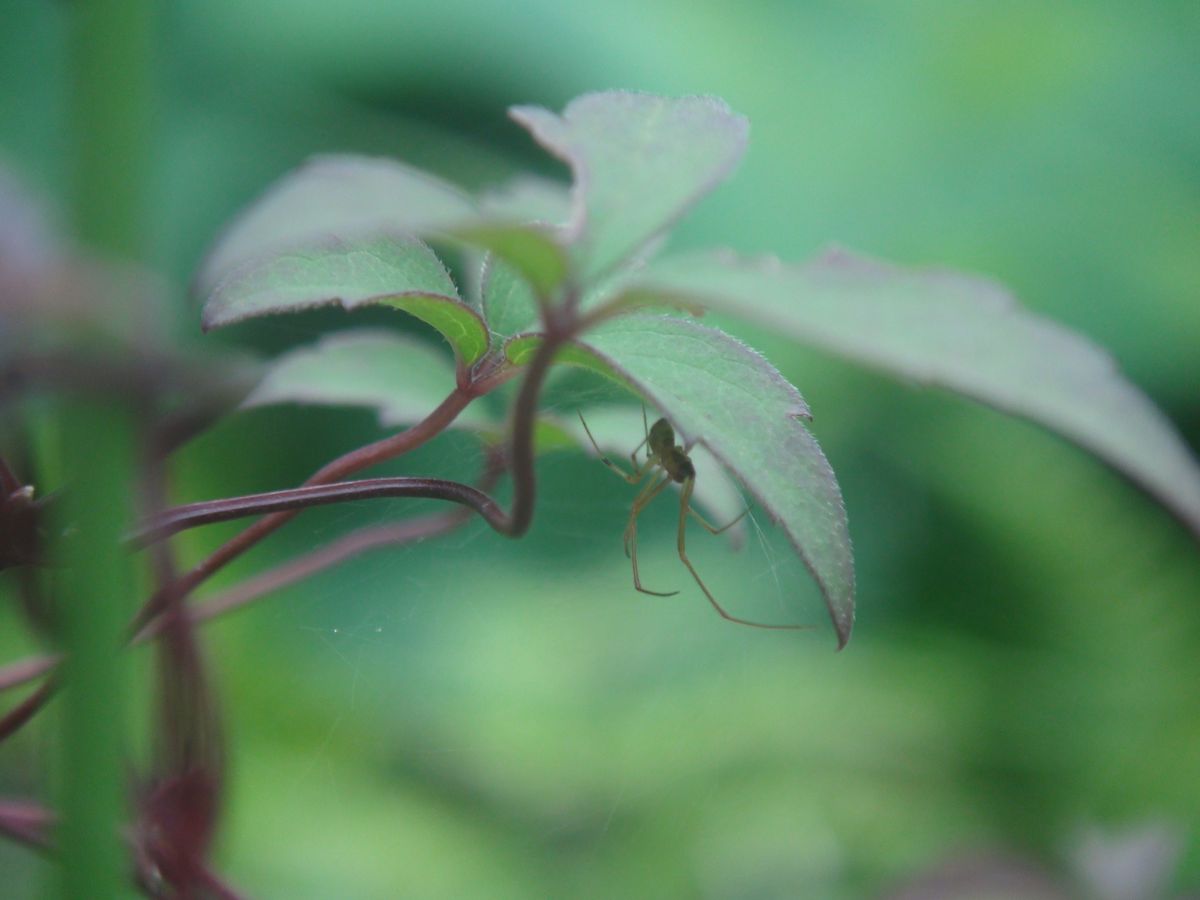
(354, 461)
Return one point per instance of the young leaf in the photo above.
(399, 377)
(392, 271)
(725, 396)
(539, 259)
(509, 303)
(955, 331)
(639, 163)
(352, 198)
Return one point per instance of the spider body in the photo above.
(667, 462)
(663, 449)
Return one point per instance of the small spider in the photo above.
(662, 453)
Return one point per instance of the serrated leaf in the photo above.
(540, 260)
(618, 429)
(722, 394)
(955, 331)
(353, 198)
(385, 270)
(639, 163)
(520, 349)
(399, 377)
(509, 303)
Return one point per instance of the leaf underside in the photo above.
(950, 330)
(723, 395)
(399, 377)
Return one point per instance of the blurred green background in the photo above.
(473, 717)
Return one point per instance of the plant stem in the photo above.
(95, 581)
(26, 822)
(353, 544)
(26, 670)
(356, 460)
(525, 416)
(111, 45)
(16, 717)
(9, 483)
(207, 512)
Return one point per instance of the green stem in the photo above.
(111, 89)
(94, 587)
(111, 44)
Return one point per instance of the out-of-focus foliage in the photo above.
(474, 717)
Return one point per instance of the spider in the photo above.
(662, 453)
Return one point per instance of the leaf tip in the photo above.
(212, 317)
(843, 632)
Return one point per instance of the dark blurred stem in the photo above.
(351, 545)
(26, 822)
(111, 82)
(26, 670)
(20, 714)
(179, 810)
(9, 482)
(356, 460)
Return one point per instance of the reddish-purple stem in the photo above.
(9, 482)
(20, 714)
(26, 670)
(354, 461)
(29, 823)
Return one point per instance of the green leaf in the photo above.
(509, 303)
(954, 331)
(391, 271)
(340, 197)
(539, 259)
(399, 377)
(639, 163)
(520, 349)
(354, 198)
(725, 396)
(527, 198)
(618, 429)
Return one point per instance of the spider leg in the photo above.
(643, 499)
(639, 471)
(640, 502)
(685, 498)
(712, 529)
(643, 467)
